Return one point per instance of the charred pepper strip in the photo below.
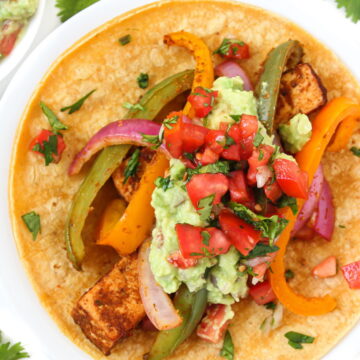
(335, 113)
(286, 55)
(204, 71)
(191, 307)
(110, 158)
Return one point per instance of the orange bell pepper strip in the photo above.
(204, 70)
(337, 112)
(135, 224)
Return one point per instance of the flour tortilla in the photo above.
(99, 62)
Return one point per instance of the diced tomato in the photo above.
(259, 157)
(246, 148)
(239, 190)
(273, 191)
(44, 137)
(242, 235)
(215, 140)
(196, 242)
(232, 152)
(224, 126)
(207, 157)
(238, 51)
(213, 326)
(351, 274)
(172, 135)
(262, 293)
(193, 136)
(202, 101)
(292, 181)
(327, 268)
(8, 41)
(203, 185)
(179, 261)
(248, 126)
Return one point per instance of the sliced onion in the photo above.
(325, 217)
(312, 201)
(273, 321)
(232, 69)
(260, 260)
(158, 305)
(263, 174)
(118, 132)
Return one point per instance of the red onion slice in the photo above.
(232, 69)
(158, 305)
(325, 218)
(312, 201)
(263, 174)
(118, 132)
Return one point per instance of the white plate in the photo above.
(23, 45)
(18, 300)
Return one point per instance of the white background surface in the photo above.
(21, 316)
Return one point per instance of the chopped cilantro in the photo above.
(227, 350)
(289, 274)
(296, 339)
(342, 226)
(295, 345)
(261, 155)
(129, 106)
(143, 80)
(270, 305)
(352, 8)
(77, 106)
(189, 156)
(262, 249)
(355, 151)
(32, 222)
(236, 118)
(11, 352)
(163, 183)
(152, 139)
(271, 227)
(288, 201)
(229, 141)
(258, 139)
(224, 48)
(69, 8)
(48, 148)
(215, 168)
(132, 165)
(205, 207)
(170, 121)
(54, 122)
(205, 237)
(124, 40)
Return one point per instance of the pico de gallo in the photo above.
(215, 192)
(14, 17)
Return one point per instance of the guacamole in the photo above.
(296, 133)
(19, 10)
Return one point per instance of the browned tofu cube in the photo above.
(301, 91)
(112, 307)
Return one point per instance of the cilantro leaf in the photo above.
(352, 8)
(32, 222)
(271, 227)
(11, 352)
(54, 122)
(270, 305)
(205, 237)
(296, 339)
(124, 40)
(224, 48)
(48, 148)
(77, 106)
(258, 139)
(171, 121)
(69, 8)
(236, 118)
(289, 274)
(152, 139)
(261, 249)
(288, 201)
(129, 106)
(222, 167)
(227, 350)
(355, 150)
(132, 165)
(163, 183)
(143, 80)
(205, 207)
(295, 345)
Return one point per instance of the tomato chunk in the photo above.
(172, 134)
(233, 152)
(193, 136)
(273, 191)
(259, 157)
(179, 261)
(213, 326)
(202, 101)
(203, 185)
(351, 274)
(262, 293)
(8, 41)
(327, 268)
(292, 181)
(246, 148)
(215, 140)
(196, 242)
(42, 139)
(242, 235)
(239, 191)
(248, 126)
(207, 157)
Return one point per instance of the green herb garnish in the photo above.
(205, 207)
(132, 165)
(170, 121)
(342, 226)
(11, 352)
(77, 106)
(69, 8)
(262, 249)
(215, 168)
(205, 237)
(54, 122)
(236, 118)
(124, 40)
(127, 105)
(352, 8)
(152, 139)
(289, 274)
(143, 80)
(48, 148)
(227, 350)
(163, 183)
(258, 139)
(32, 222)
(270, 305)
(229, 141)
(224, 48)
(296, 339)
(288, 201)
(355, 150)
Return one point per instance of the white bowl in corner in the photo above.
(24, 43)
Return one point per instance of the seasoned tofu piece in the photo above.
(112, 307)
(126, 190)
(301, 91)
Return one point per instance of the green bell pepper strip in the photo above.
(110, 158)
(191, 307)
(285, 56)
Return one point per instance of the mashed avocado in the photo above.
(19, 10)
(296, 133)
(232, 100)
